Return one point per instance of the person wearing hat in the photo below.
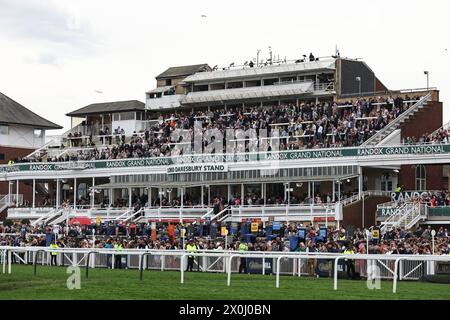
(190, 248)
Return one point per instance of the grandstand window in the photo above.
(386, 182)
(235, 85)
(269, 82)
(253, 83)
(4, 130)
(289, 79)
(2, 156)
(201, 88)
(168, 82)
(217, 86)
(421, 177)
(116, 117)
(127, 116)
(38, 133)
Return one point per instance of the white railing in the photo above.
(225, 261)
(367, 193)
(218, 215)
(9, 200)
(408, 215)
(285, 212)
(44, 217)
(44, 148)
(175, 213)
(380, 134)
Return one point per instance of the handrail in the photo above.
(123, 215)
(134, 214)
(225, 209)
(397, 120)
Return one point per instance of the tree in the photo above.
(25, 221)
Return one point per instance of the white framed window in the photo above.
(38, 133)
(4, 130)
(421, 177)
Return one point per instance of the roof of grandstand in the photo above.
(282, 68)
(13, 112)
(183, 71)
(115, 106)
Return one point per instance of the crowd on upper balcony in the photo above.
(306, 126)
(439, 136)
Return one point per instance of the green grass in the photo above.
(50, 283)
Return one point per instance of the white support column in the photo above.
(309, 189)
(57, 194)
(93, 193)
(209, 194)
(339, 191)
(202, 195)
(263, 192)
(242, 194)
(360, 183)
(149, 194)
(182, 196)
(9, 191)
(334, 191)
(75, 193)
(110, 195)
(17, 193)
(228, 192)
(129, 198)
(34, 193)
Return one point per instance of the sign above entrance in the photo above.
(194, 168)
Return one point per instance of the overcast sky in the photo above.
(56, 54)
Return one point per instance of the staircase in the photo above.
(365, 194)
(124, 215)
(409, 214)
(4, 202)
(47, 217)
(10, 200)
(396, 124)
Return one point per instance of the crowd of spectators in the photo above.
(440, 136)
(307, 126)
(207, 237)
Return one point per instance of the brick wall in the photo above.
(425, 121)
(352, 215)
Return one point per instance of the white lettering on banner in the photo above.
(115, 164)
(197, 168)
(370, 152)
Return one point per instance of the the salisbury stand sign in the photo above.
(197, 168)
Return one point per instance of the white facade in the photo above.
(17, 136)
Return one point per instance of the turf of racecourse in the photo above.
(51, 283)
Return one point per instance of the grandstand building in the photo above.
(21, 133)
(336, 145)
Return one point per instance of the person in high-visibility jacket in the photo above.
(117, 257)
(243, 265)
(190, 248)
(54, 245)
(350, 263)
(10, 162)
